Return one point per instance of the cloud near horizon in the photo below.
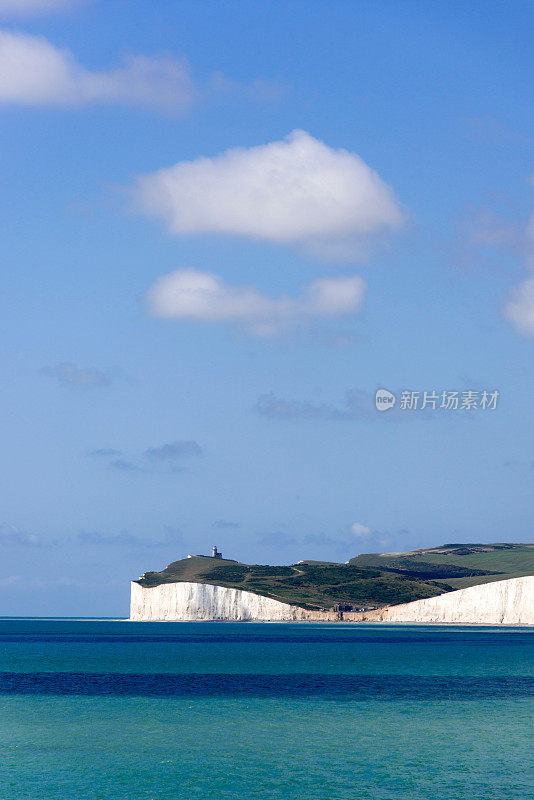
(345, 542)
(297, 191)
(125, 539)
(204, 297)
(360, 531)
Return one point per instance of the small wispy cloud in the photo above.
(124, 539)
(123, 465)
(104, 452)
(205, 297)
(11, 535)
(360, 531)
(258, 89)
(278, 539)
(223, 524)
(174, 451)
(357, 404)
(489, 235)
(519, 307)
(168, 456)
(487, 229)
(68, 374)
(328, 543)
(10, 580)
(344, 543)
(492, 131)
(35, 8)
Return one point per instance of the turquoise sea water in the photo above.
(222, 711)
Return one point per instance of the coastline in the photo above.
(500, 603)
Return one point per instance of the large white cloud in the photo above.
(294, 191)
(34, 72)
(191, 295)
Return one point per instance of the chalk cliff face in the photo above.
(509, 602)
(200, 601)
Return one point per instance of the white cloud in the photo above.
(295, 191)
(491, 232)
(519, 307)
(359, 531)
(34, 72)
(191, 295)
(27, 8)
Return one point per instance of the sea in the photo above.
(117, 710)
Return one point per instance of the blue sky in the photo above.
(224, 227)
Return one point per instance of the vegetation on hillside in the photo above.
(458, 564)
(376, 579)
(307, 585)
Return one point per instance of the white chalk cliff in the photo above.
(201, 601)
(508, 602)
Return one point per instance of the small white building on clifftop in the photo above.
(214, 554)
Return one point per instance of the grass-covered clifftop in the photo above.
(376, 579)
(458, 565)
